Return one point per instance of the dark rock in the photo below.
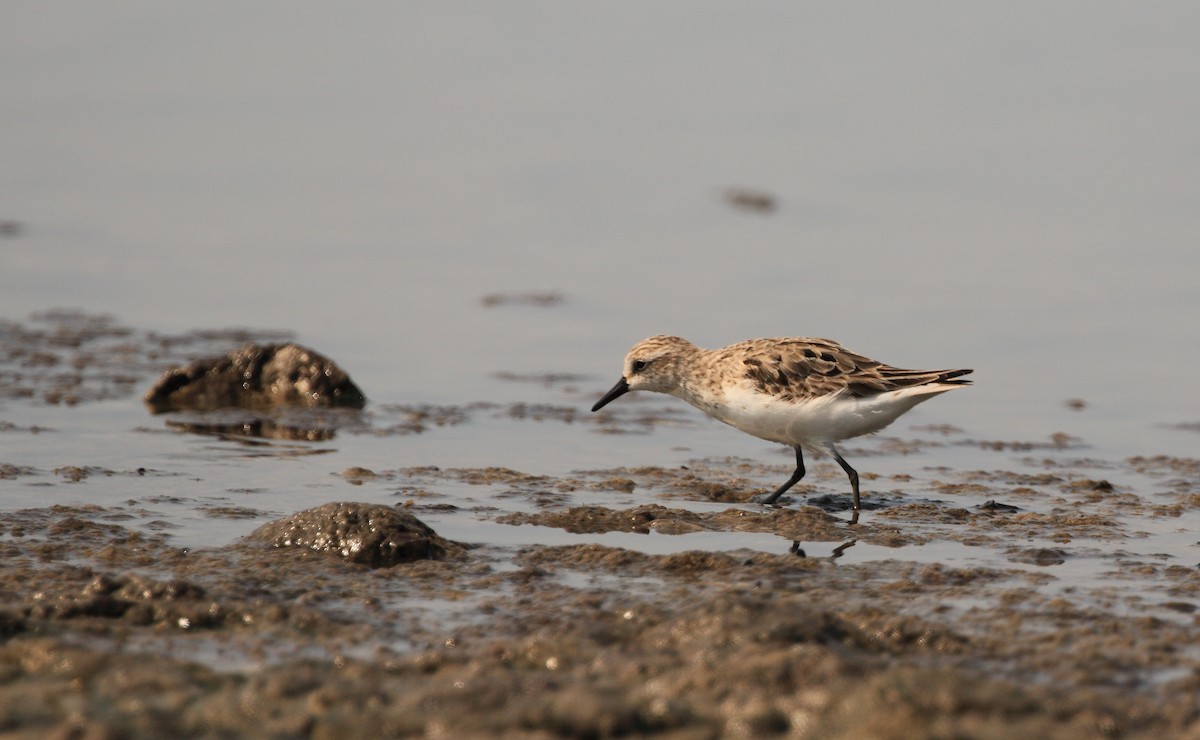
(256, 376)
(368, 534)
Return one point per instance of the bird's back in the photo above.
(810, 391)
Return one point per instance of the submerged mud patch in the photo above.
(70, 357)
(255, 384)
(539, 298)
(807, 523)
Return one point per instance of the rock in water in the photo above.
(368, 534)
(256, 376)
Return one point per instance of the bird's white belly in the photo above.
(811, 423)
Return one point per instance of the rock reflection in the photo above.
(298, 425)
(254, 428)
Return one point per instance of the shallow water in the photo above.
(1014, 192)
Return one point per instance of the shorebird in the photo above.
(798, 391)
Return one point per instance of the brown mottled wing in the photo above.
(801, 369)
(888, 378)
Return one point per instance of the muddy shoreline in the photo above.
(585, 640)
(1070, 629)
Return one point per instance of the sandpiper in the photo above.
(799, 391)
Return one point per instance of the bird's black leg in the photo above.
(852, 473)
(796, 476)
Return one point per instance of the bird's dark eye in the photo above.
(638, 365)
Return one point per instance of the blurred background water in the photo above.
(1011, 187)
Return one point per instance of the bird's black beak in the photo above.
(618, 390)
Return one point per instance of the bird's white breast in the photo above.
(809, 422)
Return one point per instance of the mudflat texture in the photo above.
(693, 644)
(1015, 599)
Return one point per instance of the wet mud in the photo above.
(580, 640)
(368, 534)
(958, 606)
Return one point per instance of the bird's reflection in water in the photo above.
(838, 551)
